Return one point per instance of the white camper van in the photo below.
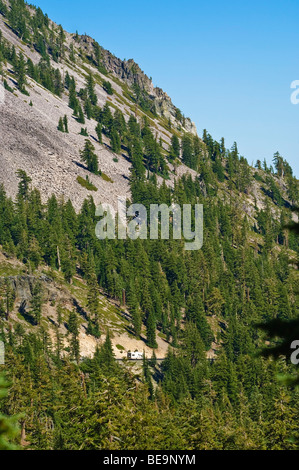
(136, 355)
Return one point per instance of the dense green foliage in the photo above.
(86, 184)
(8, 427)
(233, 402)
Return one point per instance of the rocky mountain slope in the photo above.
(56, 292)
(30, 139)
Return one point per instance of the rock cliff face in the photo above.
(130, 73)
(31, 141)
(23, 288)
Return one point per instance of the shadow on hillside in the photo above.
(26, 315)
(80, 165)
(93, 138)
(269, 194)
(80, 310)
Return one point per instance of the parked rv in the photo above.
(136, 355)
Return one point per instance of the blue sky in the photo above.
(226, 64)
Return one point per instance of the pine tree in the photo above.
(175, 150)
(89, 157)
(108, 87)
(73, 100)
(84, 132)
(73, 326)
(106, 354)
(81, 118)
(90, 90)
(115, 141)
(88, 108)
(153, 360)
(8, 295)
(20, 71)
(188, 156)
(65, 123)
(24, 184)
(151, 331)
(98, 130)
(137, 321)
(36, 303)
(93, 304)
(60, 126)
(138, 169)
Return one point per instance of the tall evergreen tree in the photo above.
(89, 157)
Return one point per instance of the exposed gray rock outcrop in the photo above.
(23, 288)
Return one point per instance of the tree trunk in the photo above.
(58, 258)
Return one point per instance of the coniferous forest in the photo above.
(217, 387)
